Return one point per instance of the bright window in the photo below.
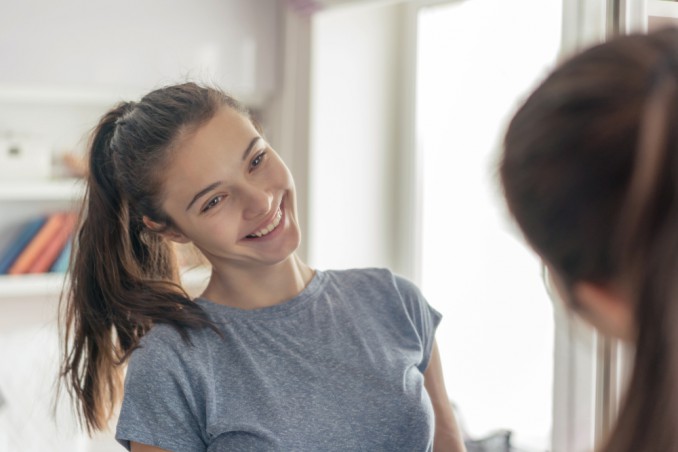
(475, 62)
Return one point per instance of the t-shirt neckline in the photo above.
(278, 310)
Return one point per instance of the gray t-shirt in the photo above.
(337, 368)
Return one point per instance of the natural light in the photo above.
(476, 61)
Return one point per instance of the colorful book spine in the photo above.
(17, 246)
(61, 264)
(49, 253)
(31, 252)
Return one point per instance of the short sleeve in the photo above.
(425, 318)
(159, 404)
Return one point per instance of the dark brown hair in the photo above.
(123, 276)
(590, 174)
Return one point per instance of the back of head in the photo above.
(590, 173)
(123, 276)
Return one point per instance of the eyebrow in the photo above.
(214, 185)
(250, 147)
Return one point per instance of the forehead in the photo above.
(226, 128)
(208, 153)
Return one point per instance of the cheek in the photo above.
(214, 229)
(224, 224)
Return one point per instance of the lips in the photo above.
(270, 227)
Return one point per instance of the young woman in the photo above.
(274, 355)
(590, 173)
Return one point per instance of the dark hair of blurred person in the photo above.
(590, 174)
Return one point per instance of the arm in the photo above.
(447, 434)
(138, 447)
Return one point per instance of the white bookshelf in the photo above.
(23, 201)
(67, 190)
(31, 286)
(50, 285)
(30, 198)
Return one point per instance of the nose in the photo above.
(257, 201)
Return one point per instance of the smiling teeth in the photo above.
(267, 230)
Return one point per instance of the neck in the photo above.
(258, 287)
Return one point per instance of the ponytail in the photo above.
(123, 277)
(648, 244)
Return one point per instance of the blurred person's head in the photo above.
(590, 174)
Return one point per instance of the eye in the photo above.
(211, 203)
(256, 161)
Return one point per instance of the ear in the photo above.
(607, 308)
(169, 233)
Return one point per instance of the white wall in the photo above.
(354, 130)
(131, 46)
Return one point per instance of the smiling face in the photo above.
(229, 193)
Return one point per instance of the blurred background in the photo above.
(390, 115)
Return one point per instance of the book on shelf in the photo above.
(44, 248)
(51, 251)
(15, 247)
(61, 263)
